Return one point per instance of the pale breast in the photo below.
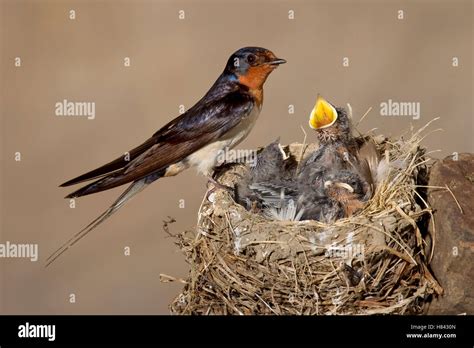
(206, 158)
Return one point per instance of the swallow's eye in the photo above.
(251, 58)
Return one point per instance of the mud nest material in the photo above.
(370, 263)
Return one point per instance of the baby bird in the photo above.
(348, 189)
(341, 195)
(348, 173)
(333, 182)
(267, 175)
(337, 146)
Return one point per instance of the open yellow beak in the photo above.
(323, 114)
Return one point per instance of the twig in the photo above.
(455, 199)
(303, 148)
(166, 224)
(363, 116)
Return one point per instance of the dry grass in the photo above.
(371, 263)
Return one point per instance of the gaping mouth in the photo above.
(323, 114)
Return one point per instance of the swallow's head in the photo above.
(330, 122)
(252, 65)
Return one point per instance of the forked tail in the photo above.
(131, 191)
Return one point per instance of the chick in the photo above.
(337, 146)
(348, 189)
(341, 195)
(333, 182)
(333, 126)
(337, 179)
(270, 172)
(349, 174)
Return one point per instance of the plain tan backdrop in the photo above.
(174, 62)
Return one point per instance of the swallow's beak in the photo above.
(277, 61)
(323, 114)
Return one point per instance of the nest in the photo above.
(374, 262)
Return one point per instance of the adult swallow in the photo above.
(220, 120)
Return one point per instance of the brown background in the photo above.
(174, 62)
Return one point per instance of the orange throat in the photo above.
(254, 80)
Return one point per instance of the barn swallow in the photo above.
(330, 184)
(335, 181)
(356, 170)
(346, 191)
(220, 120)
(341, 195)
(337, 146)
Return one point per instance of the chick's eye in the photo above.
(251, 58)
